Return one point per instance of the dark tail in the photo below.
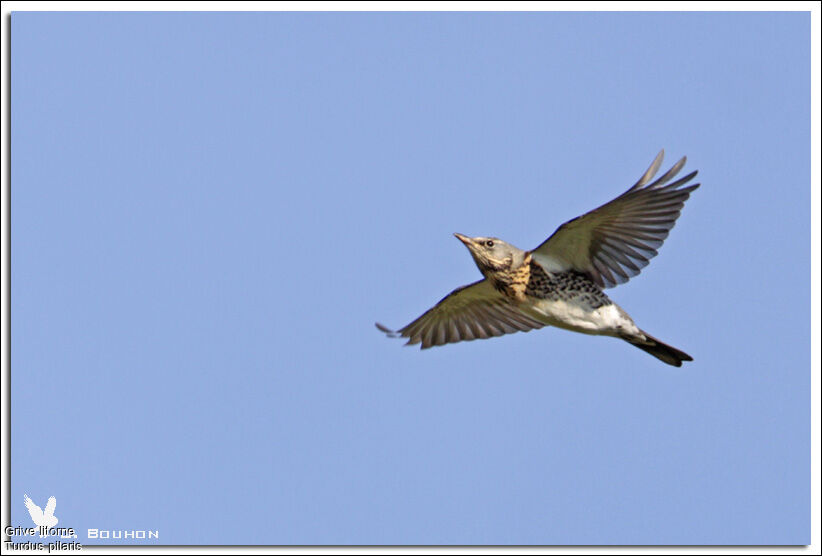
(661, 351)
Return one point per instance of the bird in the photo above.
(38, 516)
(561, 282)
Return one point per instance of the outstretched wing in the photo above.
(474, 311)
(35, 511)
(615, 241)
(50, 506)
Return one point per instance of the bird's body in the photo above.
(565, 299)
(40, 517)
(560, 283)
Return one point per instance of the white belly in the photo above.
(608, 320)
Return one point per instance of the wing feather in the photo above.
(35, 511)
(475, 311)
(615, 241)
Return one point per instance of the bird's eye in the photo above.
(489, 243)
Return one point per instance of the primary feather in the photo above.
(614, 242)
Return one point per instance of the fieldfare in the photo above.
(560, 282)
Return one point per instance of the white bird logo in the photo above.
(40, 517)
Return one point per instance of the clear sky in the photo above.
(209, 212)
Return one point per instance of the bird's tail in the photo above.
(660, 350)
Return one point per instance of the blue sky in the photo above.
(210, 210)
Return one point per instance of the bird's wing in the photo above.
(615, 241)
(474, 311)
(50, 506)
(35, 511)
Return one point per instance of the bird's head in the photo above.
(493, 255)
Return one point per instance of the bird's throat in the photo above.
(512, 282)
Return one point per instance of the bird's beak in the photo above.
(465, 239)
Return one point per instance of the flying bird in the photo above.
(40, 517)
(561, 282)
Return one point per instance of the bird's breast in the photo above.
(513, 283)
